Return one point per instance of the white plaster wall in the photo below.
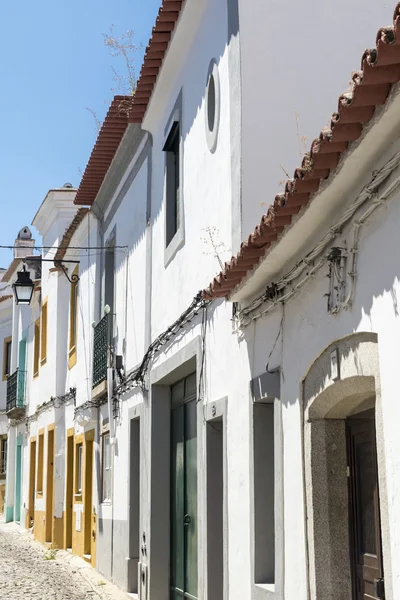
(80, 375)
(295, 57)
(54, 287)
(231, 361)
(307, 331)
(129, 222)
(206, 178)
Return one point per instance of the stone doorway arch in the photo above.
(341, 382)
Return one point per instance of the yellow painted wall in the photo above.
(87, 535)
(39, 526)
(69, 487)
(58, 532)
(88, 522)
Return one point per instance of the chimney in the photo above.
(24, 244)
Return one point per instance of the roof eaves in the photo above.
(107, 143)
(11, 269)
(155, 53)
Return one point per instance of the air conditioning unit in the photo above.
(142, 581)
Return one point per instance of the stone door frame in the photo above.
(343, 380)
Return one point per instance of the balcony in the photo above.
(15, 406)
(101, 344)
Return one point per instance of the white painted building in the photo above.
(193, 446)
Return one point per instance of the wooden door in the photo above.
(90, 520)
(69, 500)
(50, 486)
(365, 530)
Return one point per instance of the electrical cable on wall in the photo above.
(56, 401)
(137, 377)
(273, 295)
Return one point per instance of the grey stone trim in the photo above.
(260, 591)
(135, 548)
(185, 361)
(266, 387)
(326, 401)
(179, 238)
(99, 273)
(176, 108)
(126, 151)
(216, 409)
(145, 154)
(106, 286)
(217, 412)
(179, 365)
(149, 249)
(235, 111)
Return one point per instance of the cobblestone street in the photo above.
(26, 574)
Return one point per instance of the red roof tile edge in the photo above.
(108, 140)
(380, 69)
(129, 109)
(156, 50)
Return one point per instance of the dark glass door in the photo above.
(184, 490)
(365, 530)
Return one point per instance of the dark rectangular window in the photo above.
(109, 277)
(3, 455)
(171, 150)
(7, 358)
(264, 493)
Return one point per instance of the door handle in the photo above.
(187, 520)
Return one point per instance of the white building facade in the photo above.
(232, 440)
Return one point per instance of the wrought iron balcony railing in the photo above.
(16, 391)
(101, 344)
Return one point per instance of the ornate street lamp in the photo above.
(23, 287)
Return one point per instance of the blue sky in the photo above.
(55, 64)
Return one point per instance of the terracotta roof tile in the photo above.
(108, 140)
(380, 69)
(156, 50)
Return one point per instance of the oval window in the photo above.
(212, 105)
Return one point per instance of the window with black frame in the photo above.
(172, 157)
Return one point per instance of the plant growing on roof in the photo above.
(305, 157)
(123, 46)
(217, 245)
